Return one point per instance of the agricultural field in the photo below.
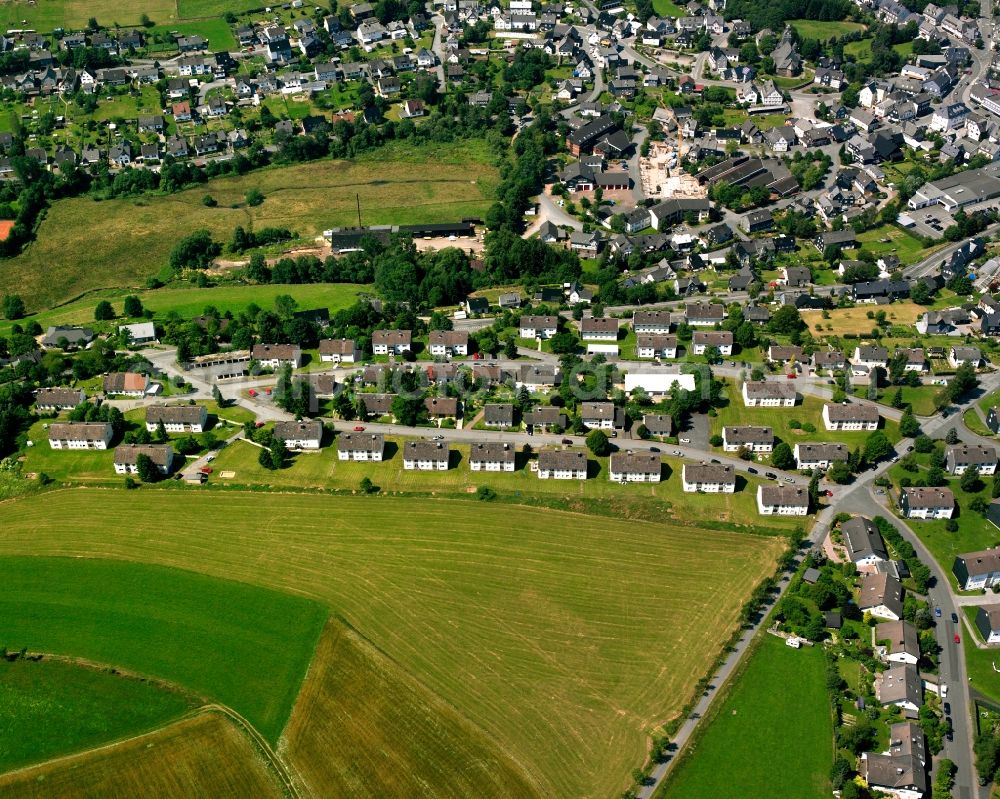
(855, 320)
(667, 8)
(84, 245)
(355, 701)
(814, 29)
(809, 409)
(52, 708)
(206, 755)
(46, 15)
(189, 301)
(779, 689)
(566, 638)
(237, 644)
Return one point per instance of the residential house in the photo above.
(652, 346)
(704, 314)
(127, 384)
(710, 478)
(988, 623)
(863, 542)
(537, 377)
(177, 418)
(784, 353)
(850, 416)
(819, 456)
(658, 424)
(598, 415)
(443, 343)
(703, 340)
(538, 326)
(756, 221)
(562, 464)
(977, 570)
(768, 394)
(361, 447)
(58, 399)
(752, 439)
(441, 407)
(959, 458)
(127, 457)
(829, 359)
(492, 456)
(546, 418)
(904, 776)
(276, 356)
(304, 434)
(900, 685)
(631, 466)
(498, 414)
(881, 595)
(957, 356)
(80, 435)
(896, 642)
(426, 456)
(651, 322)
(599, 329)
(391, 342)
(871, 357)
(927, 503)
(782, 500)
(344, 350)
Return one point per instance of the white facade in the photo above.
(795, 509)
(766, 402)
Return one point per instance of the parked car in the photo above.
(567, 441)
(954, 619)
(958, 638)
(684, 440)
(789, 479)
(947, 708)
(751, 470)
(654, 449)
(359, 428)
(829, 493)
(770, 475)
(676, 452)
(716, 460)
(937, 611)
(791, 375)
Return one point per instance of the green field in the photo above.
(810, 409)
(650, 501)
(981, 664)
(813, 29)
(189, 301)
(667, 8)
(567, 639)
(84, 245)
(217, 31)
(45, 15)
(895, 241)
(772, 736)
(919, 398)
(51, 708)
(237, 644)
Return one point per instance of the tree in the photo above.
(877, 447)
(278, 453)
(217, 396)
(951, 437)
(897, 399)
(782, 457)
(787, 320)
(254, 197)
(971, 482)
(598, 443)
(103, 312)
(146, 469)
(839, 472)
(368, 487)
(980, 506)
(563, 343)
(13, 306)
(133, 306)
(161, 433)
(923, 444)
(909, 427)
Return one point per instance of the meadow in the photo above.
(238, 644)
(53, 707)
(566, 638)
(779, 690)
(45, 15)
(354, 702)
(206, 755)
(809, 409)
(663, 500)
(855, 320)
(189, 301)
(815, 29)
(84, 244)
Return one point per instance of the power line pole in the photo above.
(358, 198)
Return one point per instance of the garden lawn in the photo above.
(217, 31)
(814, 29)
(567, 639)
(51, 708)
(243, 646)
(979, 663)
(666, 8)
(771, 736)
(84, 245)
(895, 241)
(810, 409)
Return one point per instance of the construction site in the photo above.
(662, 177)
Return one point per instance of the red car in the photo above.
(252, 392)
(267, 391)
(829, 493)
(206, 470)
(791, 376)
(359, 429)
(957, 639)
(259, 425)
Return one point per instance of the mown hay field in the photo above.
(84, 244)
(356, 701)
(206, 755)
(565, 638)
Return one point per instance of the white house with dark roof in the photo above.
(927, 503)
(305, 434)
(850, 416)
(276, 356)
(127, 457)
(782, 500)
(80, 435)
(538, 326)
(177, 418)
(653, 322)
(977, 570)
(426, 456)
(819, 456)
(598, 415)
(363, 447)
(768, 394)
(562, 464)
(344, 350)
(900, 685)
(391, 342)
(632, 466)
(442, 343)
(703, 340)
(58, 399)
(599, 329)
(654, 346)
(863, 542)
(709, 478)
(754, 439)
(492, 456)
(896, 642)
(959, 458)
(881, 595)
